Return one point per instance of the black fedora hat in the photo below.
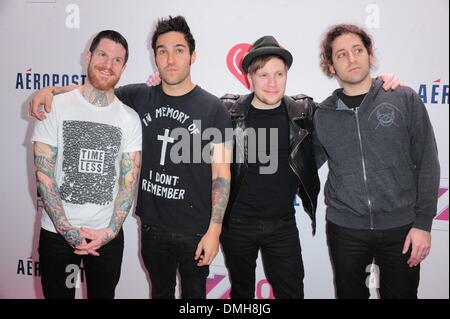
(266, 45)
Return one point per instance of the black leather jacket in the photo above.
(300, 110)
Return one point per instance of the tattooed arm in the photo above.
(44, 165)
(208, 247)
(130, 167)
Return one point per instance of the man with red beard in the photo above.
(87, 163)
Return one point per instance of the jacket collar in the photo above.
(334, 103)
(242, 107)
(293, 110)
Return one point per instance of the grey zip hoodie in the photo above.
(383, 163)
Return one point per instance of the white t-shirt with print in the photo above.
(90, 142)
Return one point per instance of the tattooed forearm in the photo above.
(220, 194)
(130, 167)
(58, 90)
(44, 163)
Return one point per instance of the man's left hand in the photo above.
(390, 81)
(207, 249)
(421, 246)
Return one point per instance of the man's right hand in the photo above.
(154, 79)
(42, 97)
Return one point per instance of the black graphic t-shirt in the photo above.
(175, 188)
(268, 196)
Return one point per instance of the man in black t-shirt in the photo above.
(183, 195)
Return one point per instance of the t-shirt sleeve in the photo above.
(133, 139)
(46, 131)
(222, 122)
(128, 94)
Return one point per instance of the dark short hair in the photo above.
(260, 61)
(113, 36)
(326, 49)
(173, 24)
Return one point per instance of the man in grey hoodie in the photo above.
(381, 191)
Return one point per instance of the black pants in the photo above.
(280, 248)
(352, 251)
(164, 252)
(57, 263)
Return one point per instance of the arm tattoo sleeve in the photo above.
(220, 194)
(130, 167)
(44, 164)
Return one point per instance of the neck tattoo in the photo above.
(97, 98)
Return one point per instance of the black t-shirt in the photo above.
(268, 196)
(352, 102)
(175, 185)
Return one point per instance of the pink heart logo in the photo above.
(234, 62)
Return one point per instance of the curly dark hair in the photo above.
(326, 50)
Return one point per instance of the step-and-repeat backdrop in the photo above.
(44, 42)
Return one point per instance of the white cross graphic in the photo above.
(166, 139)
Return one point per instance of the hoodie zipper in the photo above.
(369, 202)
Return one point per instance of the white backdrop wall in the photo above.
(44, 41)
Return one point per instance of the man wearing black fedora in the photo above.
(260, 215)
